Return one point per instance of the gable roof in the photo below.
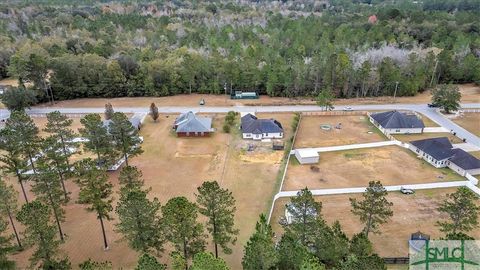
(395, 119)
(189, 122)
(251, 124)
(438, 148)
(464, 160)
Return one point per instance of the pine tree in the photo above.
(325, 99)
(23, 127)
(125, 136)
(92, 265)
(218, 205)
(207, 261)
(375, 209)
(9, 206)
(130, 177)
(46, 185)
(98, 139)
(5, 248)
(95, 191)
(154, 112)
(304, 211)
(51, 148)
(181, 227)
(291, 253)
(462, 210)
(59, 126)
(35, 216)
(139, 220)
(109, 111)
(148, 262)
(260, 252)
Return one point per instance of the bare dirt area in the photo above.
(351, 129)
(470, 122)
(392, 165)
(470, 93)
(174, 166)
(411, 213)
(413, 137)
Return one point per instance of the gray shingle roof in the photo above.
(438, 148)
(189, 122)
(395, 119)
(464, 160)
(251, 124)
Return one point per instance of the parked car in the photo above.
(432, 105)
(407, 191)
(348, 109)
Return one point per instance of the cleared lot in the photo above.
(470, 122)
(392, 165)
(354, 129)
(174, 166)
(411, 213)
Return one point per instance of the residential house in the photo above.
(394, 122)
(136, 121)
(463, 163)
(258, 129)
(190, 125)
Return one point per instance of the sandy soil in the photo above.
(470, 93)
(470, 122)
(174, 166)
(411, 213)
(355, 129)
(391, 165)
(413, 137)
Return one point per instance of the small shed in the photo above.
(307, 156)
(278, 145)
(419, 236)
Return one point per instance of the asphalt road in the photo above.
(431, 113)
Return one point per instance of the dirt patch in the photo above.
(351, 129)
(469, 121)
(413, 137)
(411, 213)
(392, 165)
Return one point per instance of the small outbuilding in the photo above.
(307, 156)
(419, 236)
(394, 122)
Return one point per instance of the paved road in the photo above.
(431, 113)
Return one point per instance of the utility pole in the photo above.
(395, 93)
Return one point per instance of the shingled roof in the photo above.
(189, 122)
(251, 124)
(464, 160)
(395, 119)
(438, 148)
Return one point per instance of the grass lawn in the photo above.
(355, 129)
(470, 122)
(413, 137)
(411, 213)
(392, 165)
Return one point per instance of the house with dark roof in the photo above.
(190, 125)
(463, 163)
(136, 121)
(395, 122)
(440, 153)
(258, 129)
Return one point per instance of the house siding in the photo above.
(395, 130)
(436, 163)
(193, 134)
(277, 135)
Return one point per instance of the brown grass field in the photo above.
(413, 137)
(174, 166)
(392, 165)
(355, 129)
(411, 213)
(470, 93)
(470, 122)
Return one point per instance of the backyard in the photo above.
(413, 137)
(411, 213)
(470, 122)
(392, 165)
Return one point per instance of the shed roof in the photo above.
(189, 122)
(395, 119)
(307, 152)
(438, 148)
(464, 160)
(251, 124)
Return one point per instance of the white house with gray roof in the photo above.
(258, 129)
(394, 122)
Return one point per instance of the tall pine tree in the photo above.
(125, 136)
(260, 252)
(9, 206)
(98, 140)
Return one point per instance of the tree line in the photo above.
(220, 46)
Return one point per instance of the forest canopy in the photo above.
(280, 48)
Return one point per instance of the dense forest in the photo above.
(280, 48)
